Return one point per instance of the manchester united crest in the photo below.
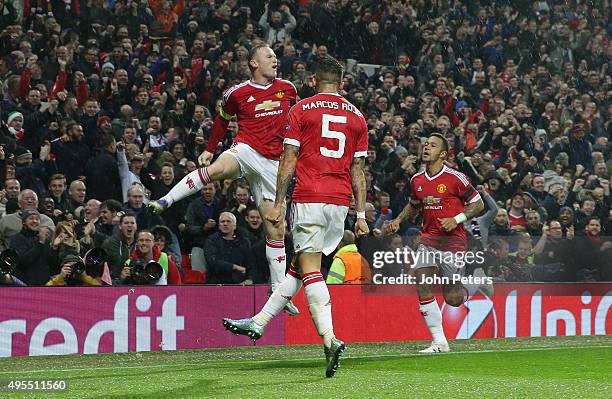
(190, 183)
(279, 94)
(441, 188)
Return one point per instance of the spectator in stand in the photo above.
(63, 242)
(241, 200)
(552, 248)
(31, 243)
(533, 223)
(167, 242)
(12, 224)
(228, 254)
(95, 232)
(174, 217)
(253, 228)
(57, 191)
(201, 220)
(501, 225)
(516, 213)
(71, 152)
(102, 172)
(516, 91)
(11, 191)
(120, 245)
(598, 249)
(135, 205)
(276, 30)
(76, 195)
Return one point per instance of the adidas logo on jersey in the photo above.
(420, 188)
(251, 98)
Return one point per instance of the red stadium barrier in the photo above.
(390, 313)
(68, 320)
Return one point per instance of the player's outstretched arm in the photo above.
(410, 211)
(286, 170)
(217, 132)
(359, 192)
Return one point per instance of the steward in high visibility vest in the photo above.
(349, 267)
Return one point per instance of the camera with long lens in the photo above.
(8, 259)
(76, 270)
(95, 259)
(145, 273)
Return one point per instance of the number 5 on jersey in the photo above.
(332, 134)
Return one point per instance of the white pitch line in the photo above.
(391, 355)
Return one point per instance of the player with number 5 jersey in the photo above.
(330, 132)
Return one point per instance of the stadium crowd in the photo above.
(107, 104)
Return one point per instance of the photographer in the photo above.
(73, 273)
(8, 261)
(146, 251)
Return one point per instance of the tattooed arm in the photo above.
(470, 211)
(410, 211)
(359, 192)
(359, 184)
(286, 170)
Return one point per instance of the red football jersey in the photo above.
(442, 196)
(330, 132)
(261, 112)
(517, 220)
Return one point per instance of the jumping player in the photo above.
(260, 105)
(447, 199)
(325, 144)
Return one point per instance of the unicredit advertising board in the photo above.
(67, 320)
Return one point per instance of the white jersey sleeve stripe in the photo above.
(291, 142)
(475, 199)
(232, 89)
(459, 176)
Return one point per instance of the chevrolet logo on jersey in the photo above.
(430, 200)
(268, 108)
(267, 105)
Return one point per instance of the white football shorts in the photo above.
(449, 263)
(317, 227)
(259, 171)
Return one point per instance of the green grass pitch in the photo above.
(564, 367)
